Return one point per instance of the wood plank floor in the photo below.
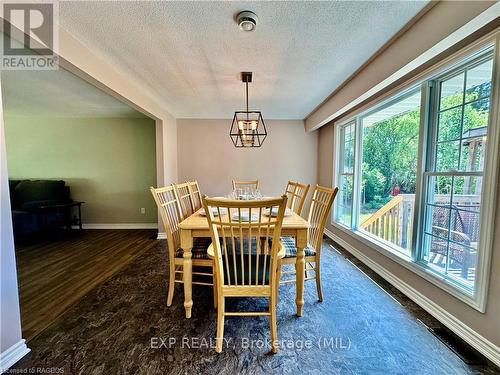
(54, 275)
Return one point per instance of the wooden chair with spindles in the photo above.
(185, 199)
(296, 194)
(252, 184)
(246, 247)
(194, 190)
(170, 210)
(321, 202)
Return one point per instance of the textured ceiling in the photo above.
(189, 54)
(57, 93)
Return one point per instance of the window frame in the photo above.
(401, 95)
(469, 56)
(339, 166)
(434, 84)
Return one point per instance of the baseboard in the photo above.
(161, 236)
(481, 344)
(12, 355)
(120, 226)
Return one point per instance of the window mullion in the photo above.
(339, 169)
(358, 152)
(431, 118)
(447, 265)
(462, 121)
(423, 147)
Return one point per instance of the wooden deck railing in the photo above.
(393, 221)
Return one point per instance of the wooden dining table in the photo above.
(196, 225)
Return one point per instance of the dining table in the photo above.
(196, 225)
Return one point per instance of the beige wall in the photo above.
(109, 163)
(207, 154)
(443, 19)
(439, 22)
(83, 62)
(211, 155)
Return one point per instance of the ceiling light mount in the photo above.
(247, 20)
(246, 77)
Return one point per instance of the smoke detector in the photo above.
(247, 20)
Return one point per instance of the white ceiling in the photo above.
(57, 93)
(189, 54)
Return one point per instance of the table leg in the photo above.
(187, 246)
(300, 265)
(80, 215)
(68, 218)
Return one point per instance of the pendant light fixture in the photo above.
(248, 128)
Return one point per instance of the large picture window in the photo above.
(389, 171)
(412, 184)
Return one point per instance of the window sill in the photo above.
(426, 273)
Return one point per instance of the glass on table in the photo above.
(245, 193)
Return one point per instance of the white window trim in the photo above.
(337, 167)
(478, 298)
(490, 188)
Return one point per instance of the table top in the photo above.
(60, 205)
(197, 221)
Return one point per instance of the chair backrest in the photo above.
(245, 251)
(296, 194)
(194, 190)
(253, 184)
(185, 200)
(321, 202)
(168, 204)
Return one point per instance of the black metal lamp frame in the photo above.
(257, 135)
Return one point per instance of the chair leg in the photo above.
(214, 282)
(278, 279)
(220, 324)
(318, 281)
(272, 323)
(171, 285)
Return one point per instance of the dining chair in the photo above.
(246, 247)
(194, 190)
(185, 199)
(321, 202)
(253, 184)
(296, 193)
(168, 204)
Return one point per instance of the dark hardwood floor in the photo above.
(55, 274)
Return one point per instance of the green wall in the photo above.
(108, 162)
